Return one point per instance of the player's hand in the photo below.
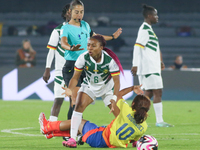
(76, 48)
(112, 106)
(117, 33)
(137, 89)
(46, 75)
(134, 71)
(162, 65)
(67, 92)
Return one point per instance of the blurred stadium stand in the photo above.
(170, 44)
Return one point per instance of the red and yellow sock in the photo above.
(53, 126)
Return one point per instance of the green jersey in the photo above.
(98, 75)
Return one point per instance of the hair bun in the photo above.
(144, 6)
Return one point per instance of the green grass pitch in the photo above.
(19, 127)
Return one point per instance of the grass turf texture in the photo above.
(24, 114)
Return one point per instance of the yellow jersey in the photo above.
(123, 128)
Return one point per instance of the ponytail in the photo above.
(140, 115)
(141, 105)
(116, 59)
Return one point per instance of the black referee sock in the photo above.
(71, 109)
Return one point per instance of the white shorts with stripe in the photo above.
(151, 81)
(105, 97)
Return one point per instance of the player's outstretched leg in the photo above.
(43, 123)
(49, 136)
(58, 134)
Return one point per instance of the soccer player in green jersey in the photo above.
(147, 62)
(57, 52)
(102, 74)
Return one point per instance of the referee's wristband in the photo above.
(113, 37)
(114, 97)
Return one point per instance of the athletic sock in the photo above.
(53, 118)
(75, 122)
(71, 109)
(158, 108)
(62, 133)
(53, 126)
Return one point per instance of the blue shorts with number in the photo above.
(92, 134)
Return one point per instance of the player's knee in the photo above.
(158, 93)
(58, 101)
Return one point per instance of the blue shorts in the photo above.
(92, 134)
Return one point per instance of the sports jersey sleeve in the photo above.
(53, 40)
(121, 102)
(136, 55)
(64, 31)
(50, 57)
(141, 42)
(142, 38)
(80, 63)
(114, 69)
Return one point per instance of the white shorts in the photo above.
(106, 97)
(58, 84)
(151, 82)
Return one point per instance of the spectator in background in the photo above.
(25, 56)
(185, 31)
(178, 63)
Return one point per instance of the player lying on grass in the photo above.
(129, 123)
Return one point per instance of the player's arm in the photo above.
(141, 41)
(116, 84)
(136, 58)
(115, 109)
(135, 88)
(115, 35)
(162, 63)
(64, 40)
(49, 61)
(65, 45)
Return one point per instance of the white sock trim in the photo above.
(158, 108)
(75, 122)
(53, 118)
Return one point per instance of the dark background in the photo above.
(100, 5)
(178, 85)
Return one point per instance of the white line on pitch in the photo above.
(11, 131)
(181, 124)
(179, 134)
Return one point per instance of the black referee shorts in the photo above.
(68, 71)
